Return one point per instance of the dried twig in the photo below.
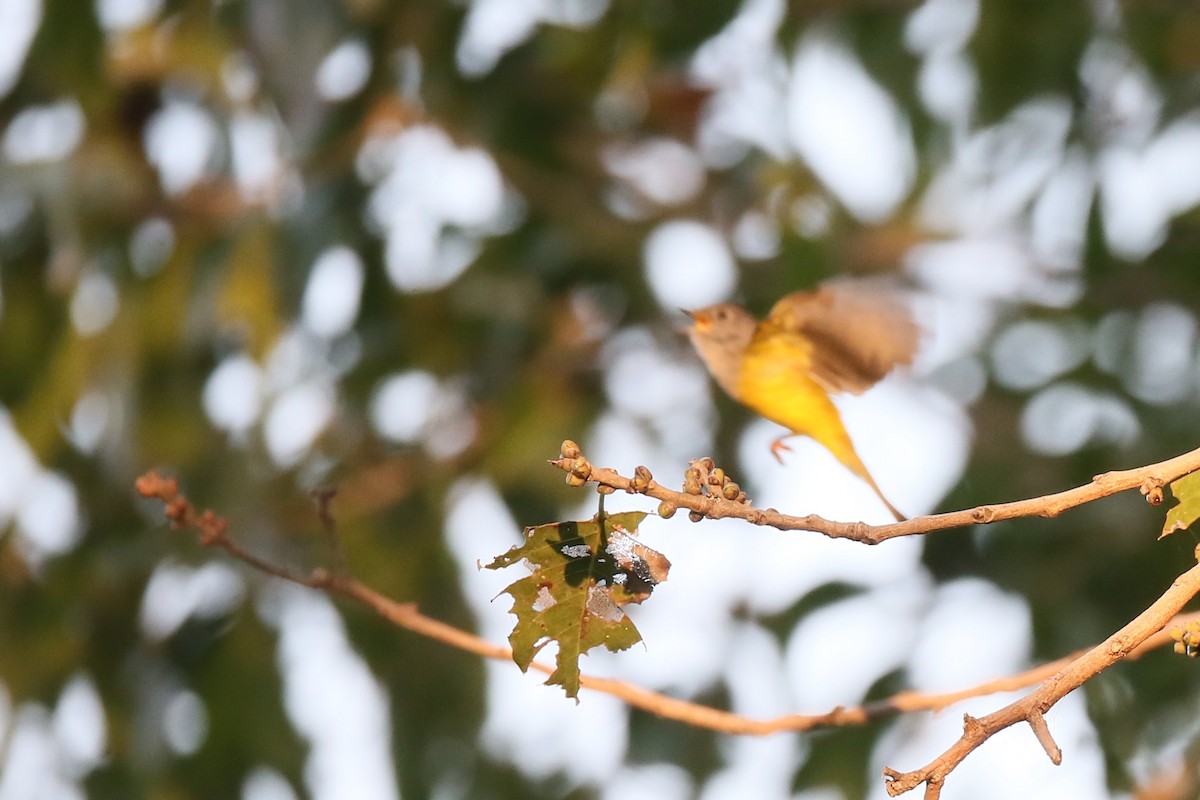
(1149, 479)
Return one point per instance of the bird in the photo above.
(843, 336)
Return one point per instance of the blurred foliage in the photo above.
(509, 331)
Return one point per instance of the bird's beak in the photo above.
(700, 321)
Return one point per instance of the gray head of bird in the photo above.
(721, 333)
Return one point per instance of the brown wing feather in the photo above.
(859, 332)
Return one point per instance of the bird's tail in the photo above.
(895, 511)
(856, 465)
(837, 441)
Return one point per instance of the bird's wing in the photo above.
(859, 332)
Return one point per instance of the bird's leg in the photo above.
(778, 448)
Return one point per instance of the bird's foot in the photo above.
(778, 448)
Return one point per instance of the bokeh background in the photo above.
(407, 248)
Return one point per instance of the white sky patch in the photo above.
(660, 388)
(757, 679)
(414, 406)
(402, 406)
(296, 419)
(40, 134)
(185, 722)
(663, 170)
(256, 153)
(180, 141)
(121, 15)
(1059, 217)
(1173, 159)
(239, 77)
(347, 729)
(1134, 213)
(1143, 187)
(1065, 417)
(30, 766)
(48, 518)
(291, 360)
(648, 782)
(150, 245)
(989, 268)
(79, 727)
(939, 30)
(491, 29)
(836, 653)
(333, 292)
(233, 394)
(998, 171)
(971, 632)
(756, 236)
(94, 304)
(19, 21)
(540, 733)
(941, 25)
(849, 130)
(494, 27)
(688, 265)
(1030, 353)
(434, 203)
(344, 71)
(176, 592)
(1163, 355)
(18, 468)
(1121, 93)
(264, 783)
(947, 84)
(91, 417)
(748, 76)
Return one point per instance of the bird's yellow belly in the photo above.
(775, 382)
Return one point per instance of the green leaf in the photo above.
(582, 573)
(1186, 491)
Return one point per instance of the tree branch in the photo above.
(708, 492)
(1149, 479)
(213, 533)
(1071, 676)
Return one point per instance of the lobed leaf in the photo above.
(582, 573)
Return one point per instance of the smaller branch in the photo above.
(1148, 479)
(1128, 640)
(323, 497)
(1042, 731)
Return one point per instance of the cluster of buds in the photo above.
(578, 468)
(703, 476)
(1187, 639)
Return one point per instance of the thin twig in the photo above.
(1150, 479)
(323, 497)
